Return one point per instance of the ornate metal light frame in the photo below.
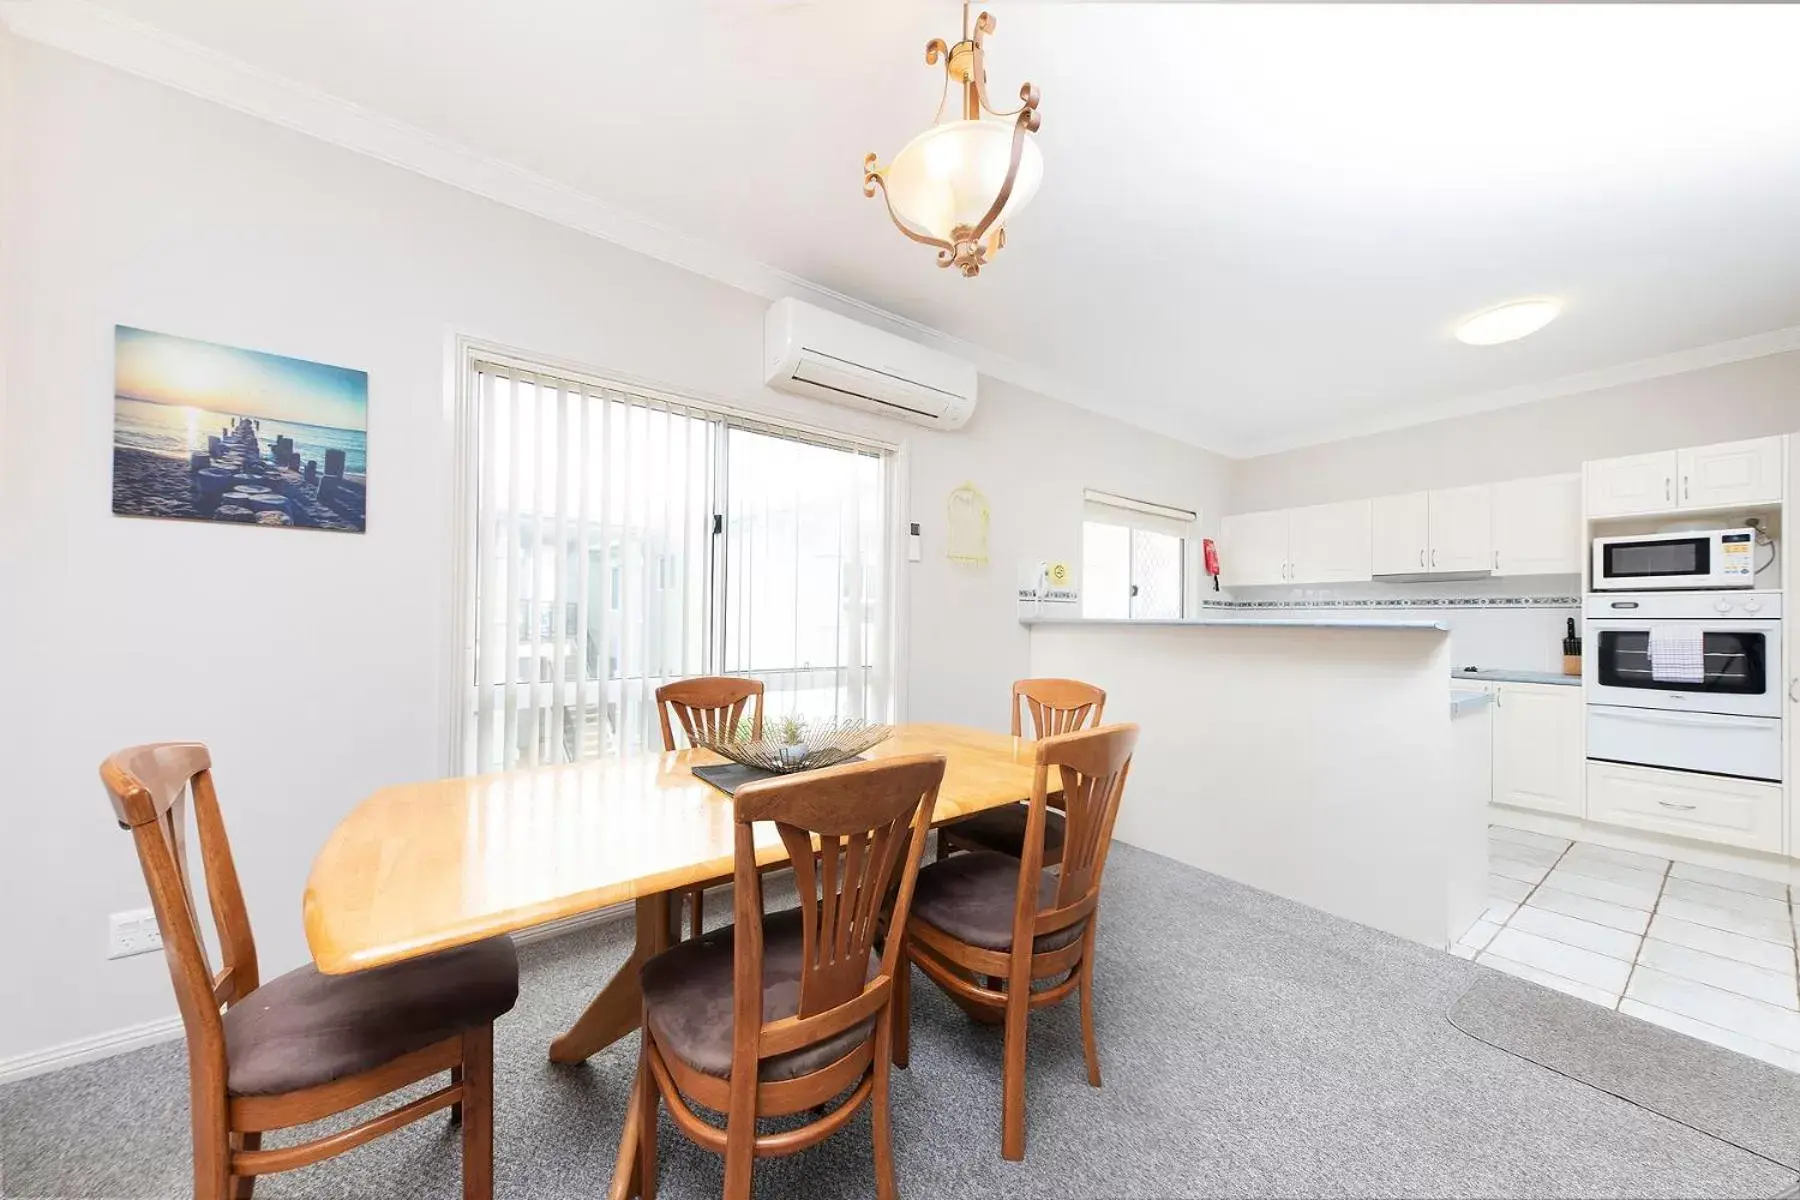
(970, 246)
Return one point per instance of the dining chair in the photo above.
(1057, 706)
(986, 926)
(778, 1014)
(711, 706)
(303, 1046)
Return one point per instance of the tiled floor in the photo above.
(1708, 953)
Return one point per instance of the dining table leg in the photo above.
(616, 1011)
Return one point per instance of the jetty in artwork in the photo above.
(214, 433)
(235, 480)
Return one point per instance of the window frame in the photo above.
(1183, 551)
(464, 417)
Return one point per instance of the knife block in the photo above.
(1571, 664)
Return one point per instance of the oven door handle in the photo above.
(1707, 720)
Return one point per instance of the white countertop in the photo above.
(1240, 623)
(1504, 675)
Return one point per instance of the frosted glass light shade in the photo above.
(1509, 322)
(949, 175)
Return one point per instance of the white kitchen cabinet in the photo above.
(1461, 527)
(1329, 543)
(1625, 487)
(1729, 474)
(1537, 747)
(1537, 526)
(1400, 533)
(1710, 808)
(1726, 475)
(1254, 548)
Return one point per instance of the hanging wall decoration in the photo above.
(206, 432)
(966, 526)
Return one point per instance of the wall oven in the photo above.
(1686, 681)
(1708, 558)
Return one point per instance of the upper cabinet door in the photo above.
(1730, 474)
(1255, 549)
(1537, 526)
(1329, 543)
(1625, 487)
(1400, 543)
(1461, 524)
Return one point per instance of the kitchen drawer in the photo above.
(1707, 808)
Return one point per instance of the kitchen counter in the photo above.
(1307, 758)
(1234, 623)
(1502, 675)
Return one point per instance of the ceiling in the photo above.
(1258, 223)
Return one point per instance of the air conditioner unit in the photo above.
(811, 352)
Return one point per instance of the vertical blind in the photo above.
(622, 540)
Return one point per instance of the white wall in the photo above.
(1752, 398)
(313, 662)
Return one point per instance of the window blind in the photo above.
(622, 540)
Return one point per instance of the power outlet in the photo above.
(134, 932)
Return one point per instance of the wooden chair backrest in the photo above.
(150, 787)
(1057, 706)
(1092, 766)
(710, 706)
(870, 819)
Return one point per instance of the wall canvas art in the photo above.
(214, 433)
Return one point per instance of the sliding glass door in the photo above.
(622, 540)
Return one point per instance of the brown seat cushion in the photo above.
(1003, 829)
(687, 998)
(971, 898)
(306, 1028)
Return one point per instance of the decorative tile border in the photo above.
(1408, 602)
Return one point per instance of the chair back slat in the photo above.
(709, 708)
(1057, 706)
(152, 789)
(1091, 766)
(869, 822)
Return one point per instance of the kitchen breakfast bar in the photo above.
(1315, 760)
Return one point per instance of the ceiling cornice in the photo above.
(94, 32)
(1758, 345)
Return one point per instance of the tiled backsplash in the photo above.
(1493, 622)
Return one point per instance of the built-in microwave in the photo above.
(1706, 558)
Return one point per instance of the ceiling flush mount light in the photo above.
(1508, 322)
(955, 186)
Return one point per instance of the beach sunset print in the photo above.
(213, 433)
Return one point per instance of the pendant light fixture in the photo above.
(956, 185)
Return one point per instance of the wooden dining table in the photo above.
(422, 867)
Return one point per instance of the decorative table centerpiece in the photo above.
(793, 744)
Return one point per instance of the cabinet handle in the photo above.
(1668, 485)
(1434, 556)
(1678, 807)
(1421, 556)
(1684, 487)
(1792, 684)
(1496, 560)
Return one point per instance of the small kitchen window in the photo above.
(1134, 559)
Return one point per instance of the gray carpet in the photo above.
(1731, 1096)
(1251, 1047)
